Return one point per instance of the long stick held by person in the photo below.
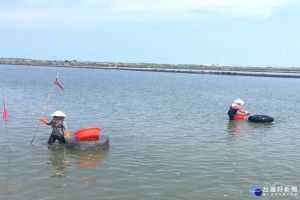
(55, 83)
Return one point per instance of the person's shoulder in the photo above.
(235, 105)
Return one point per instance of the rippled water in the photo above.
(170, 137)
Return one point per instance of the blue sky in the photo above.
(262, 33)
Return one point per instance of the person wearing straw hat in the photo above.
(236, 106)
(58, 127)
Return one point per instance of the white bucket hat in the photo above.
(239, 101)
(58, 113)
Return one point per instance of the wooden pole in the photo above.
(6, 123)
(44, 109)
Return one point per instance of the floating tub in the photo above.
(238, 116)
(91, 133)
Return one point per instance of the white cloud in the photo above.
(64, 13)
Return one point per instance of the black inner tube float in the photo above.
(97, 144)
(260, 118)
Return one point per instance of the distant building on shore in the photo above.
(70, 61)
(205, 64)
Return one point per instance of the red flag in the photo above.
(59, 85)
(4, 115)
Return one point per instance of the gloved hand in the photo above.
(68, 135)
(247, 113)
(43, 120)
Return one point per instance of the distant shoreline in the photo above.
(196, 69)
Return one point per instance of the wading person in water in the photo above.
(59, 126)
(236, 106)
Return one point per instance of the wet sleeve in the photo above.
(49, 122)
(239, 109)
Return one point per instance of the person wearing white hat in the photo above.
(58, 127)
(236, 106)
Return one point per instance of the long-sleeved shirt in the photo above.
(58, 127)
(237, 107)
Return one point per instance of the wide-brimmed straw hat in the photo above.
(58, 113)
(239, 101)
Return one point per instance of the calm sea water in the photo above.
(170, 137)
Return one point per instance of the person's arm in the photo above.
(66, 130)
(241, 110)
(45, 121)
(236, 107)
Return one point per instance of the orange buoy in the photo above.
(91, 133)
(238, 116)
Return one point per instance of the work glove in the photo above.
(43, 120)
(247, 113)
(68, 135)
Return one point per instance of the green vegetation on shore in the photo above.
(74, 63)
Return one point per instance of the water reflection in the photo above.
(9, 189)
(254, 125)
(88, 161)
(65, 160)
(84, 161)
(235, 127)
(58, 159)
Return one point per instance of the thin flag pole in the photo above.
(44, 108)
(5, 117)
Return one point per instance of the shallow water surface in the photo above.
(170, 137)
